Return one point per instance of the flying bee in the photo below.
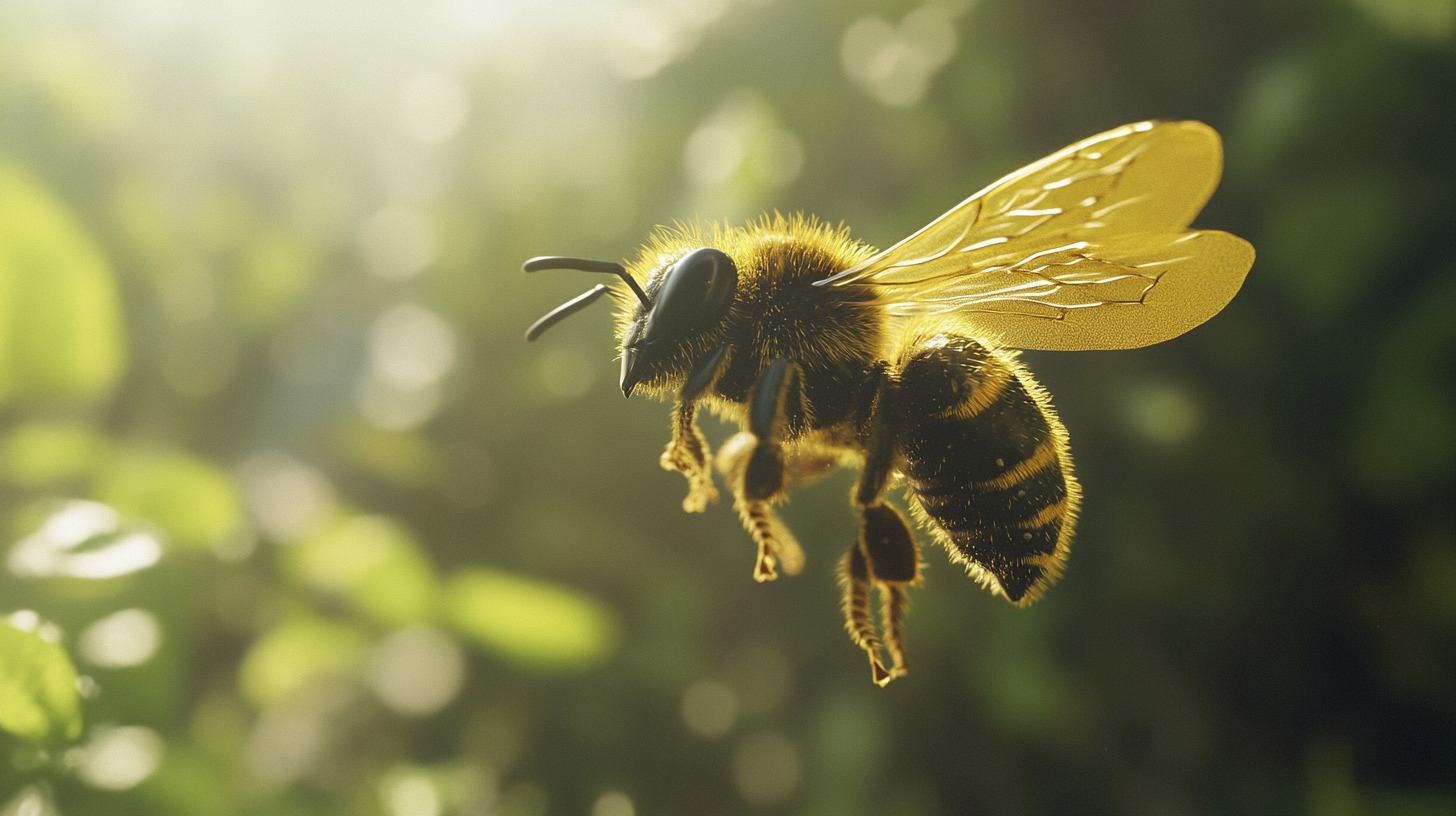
(901, 363)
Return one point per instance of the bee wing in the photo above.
(1085, 249)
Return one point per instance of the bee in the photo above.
(902, 363)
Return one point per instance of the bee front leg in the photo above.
(688, 453)
(885, 554)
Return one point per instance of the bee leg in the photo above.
(891, 557)
(756, 467)
(687, 453)
(854, 582)
(776, 544)
(893, 563)
(766, 474)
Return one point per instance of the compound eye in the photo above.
(696, 292)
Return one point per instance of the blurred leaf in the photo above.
(189, 781)
(372, 562)
(276, 270)
(295, 652)
(1274, 109)
(190, 500)
(1330, 239)
(136, 208)
(1408, 381)
(38, 698)
(403, 457)
(60, 321)
(533, 623)
(38, 454)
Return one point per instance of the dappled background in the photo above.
(295, 524)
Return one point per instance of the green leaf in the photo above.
(38, 697)
(190, 500)
(60, 317)
(40, 454)
(374, 564)
(535, 624)
(295, 652)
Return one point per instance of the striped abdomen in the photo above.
(987, 463)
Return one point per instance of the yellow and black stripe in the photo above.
(987, 463)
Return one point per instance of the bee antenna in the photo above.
(565, 310)
(588, 265)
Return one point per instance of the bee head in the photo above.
(689, 296)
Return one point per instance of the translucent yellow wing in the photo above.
(1085, 249)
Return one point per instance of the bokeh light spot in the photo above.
(767, 768)
(613, 803)
(126, 638)
(416, 671)
(411, 347)
(120, 758)
(741, 141)
(287, 498)
(1162, 413)
(410, 793)
(895, 64)
(709, 708)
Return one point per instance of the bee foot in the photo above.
(879, 674)
(701, 493)
(765, 570)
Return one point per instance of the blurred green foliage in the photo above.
(320, 533)
(38, 692)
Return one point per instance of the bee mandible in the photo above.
(901, 363)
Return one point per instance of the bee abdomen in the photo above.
(986, 460)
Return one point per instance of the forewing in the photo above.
(1098, 224)
(1120, 292)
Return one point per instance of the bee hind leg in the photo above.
(885, 555)
(891, 563)
(854, 582)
